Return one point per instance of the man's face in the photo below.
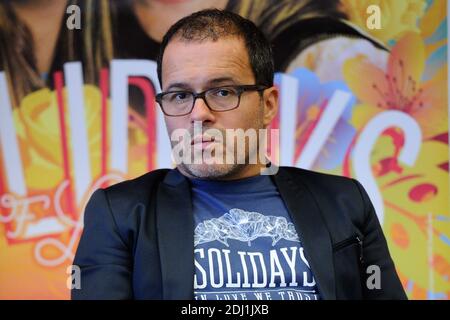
(198, 66)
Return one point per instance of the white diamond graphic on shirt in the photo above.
(244, 226)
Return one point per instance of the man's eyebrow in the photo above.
(212, 82)
(178, 85)
(221, 80)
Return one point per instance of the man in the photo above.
(221, 229)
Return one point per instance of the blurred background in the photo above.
(363, 94)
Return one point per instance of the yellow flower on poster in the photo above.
(38, 129)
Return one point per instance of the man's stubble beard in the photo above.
(217, 171)
(223, 171)
(212, 171)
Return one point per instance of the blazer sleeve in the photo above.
(102, 255)
(375, 252)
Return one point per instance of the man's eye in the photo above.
(224, 92)
(178, 96)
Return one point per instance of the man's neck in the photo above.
(247, 171)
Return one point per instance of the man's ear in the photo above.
(270, 104)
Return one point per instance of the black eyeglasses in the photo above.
(219, 99)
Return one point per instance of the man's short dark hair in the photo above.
(214, 24)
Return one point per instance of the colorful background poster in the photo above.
(363, 94)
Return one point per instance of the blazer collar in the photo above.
(175, 232)
(175, 228)
(311, 229)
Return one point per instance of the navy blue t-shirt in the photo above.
(245, 244)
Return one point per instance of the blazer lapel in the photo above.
(175, 232)
(311, 229)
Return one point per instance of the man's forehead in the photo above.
(186, 60)
(234, 41)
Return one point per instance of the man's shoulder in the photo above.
(337, 196)
(138, 187)
(328, 188)
(318, 179)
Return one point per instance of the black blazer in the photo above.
(138, 237)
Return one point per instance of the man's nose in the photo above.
(201, 112)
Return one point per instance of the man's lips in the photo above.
(203, 140)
